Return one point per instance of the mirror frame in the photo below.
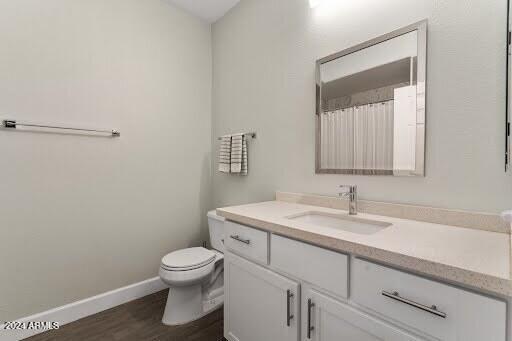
(421, 28)
(508, 89)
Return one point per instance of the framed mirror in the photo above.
(508, 119)
(370, 106)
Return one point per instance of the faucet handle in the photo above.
(507, 216)
(350, 192)
(351, 188)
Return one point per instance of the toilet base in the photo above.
(188, 304)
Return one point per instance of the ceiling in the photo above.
(209, 10)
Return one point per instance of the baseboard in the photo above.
(86, 307)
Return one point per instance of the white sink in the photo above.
(341, 222)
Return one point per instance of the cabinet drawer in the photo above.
(458, 314)
(324, 268)
(246, 241)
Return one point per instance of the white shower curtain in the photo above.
(358, 137)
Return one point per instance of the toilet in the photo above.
(195, 278)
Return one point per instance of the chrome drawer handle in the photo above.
(241, 240)
(432, 309)
(289, 316)
(310, 328)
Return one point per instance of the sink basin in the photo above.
(341, 222)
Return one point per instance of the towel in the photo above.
(239, 154)
(236, 153)
(244, 169)
(225, 154)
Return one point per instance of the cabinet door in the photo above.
(326, 319)
(259, 304)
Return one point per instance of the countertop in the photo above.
(472, 258)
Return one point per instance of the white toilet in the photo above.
(195, 277)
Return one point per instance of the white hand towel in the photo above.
(245, 158)
(225, 154)
(239, 154)
(236, 153)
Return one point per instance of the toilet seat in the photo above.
(187, 259)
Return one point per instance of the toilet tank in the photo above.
(216, 227)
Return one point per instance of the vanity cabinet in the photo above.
(327, 319)
(259, 303)
(280, 289)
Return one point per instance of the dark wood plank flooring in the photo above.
(139, 320)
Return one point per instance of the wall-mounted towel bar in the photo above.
(252, 134)
(12, 124)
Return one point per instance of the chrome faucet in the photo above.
(351, 193)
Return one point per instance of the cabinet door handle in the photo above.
(289, 316)
(396, 296)
(310, 327)
(241, 240)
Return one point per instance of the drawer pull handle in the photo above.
(396, 296)
(310, 327)
(289, 316)
(241, 240)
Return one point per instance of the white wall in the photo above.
(83, 215)
(264, 54)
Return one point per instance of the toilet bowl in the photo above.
(195, 278)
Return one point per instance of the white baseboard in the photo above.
(83, 308)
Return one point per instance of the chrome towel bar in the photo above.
(252, 134)
(12, 124)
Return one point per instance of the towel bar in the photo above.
(12, 124)
(253, 135)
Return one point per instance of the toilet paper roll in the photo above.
(507, 216)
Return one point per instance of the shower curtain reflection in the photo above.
(358, 138)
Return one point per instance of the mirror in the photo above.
(370, 111)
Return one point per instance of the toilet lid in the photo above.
(192, 258)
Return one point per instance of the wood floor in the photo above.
(138, 320)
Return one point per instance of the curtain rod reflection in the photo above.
(326, 111)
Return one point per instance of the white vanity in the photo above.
(292, 276)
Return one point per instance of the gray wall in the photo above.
(84, 215)
(263, 63)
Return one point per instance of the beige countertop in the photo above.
(472, 258)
